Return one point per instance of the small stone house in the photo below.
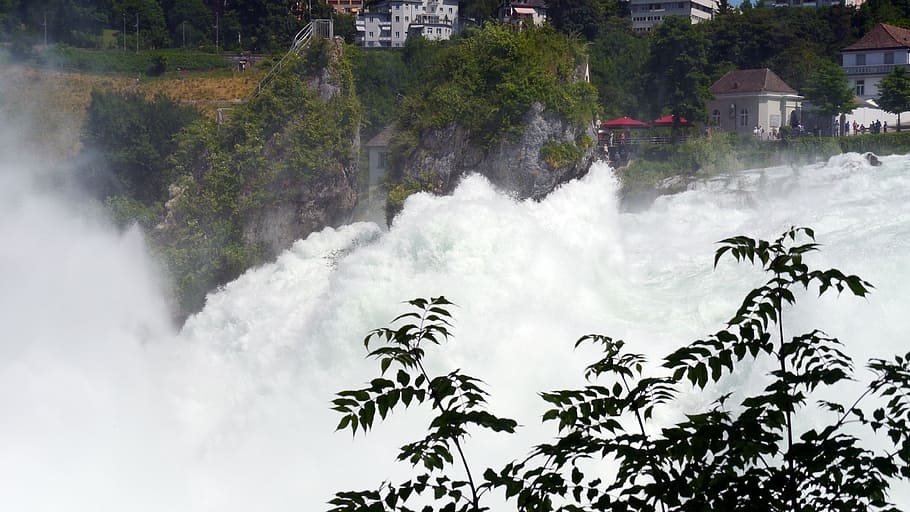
(748, 98)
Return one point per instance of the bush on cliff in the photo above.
(487, 82)
(286, 143)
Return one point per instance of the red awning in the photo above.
(624, 122)
(524, 10)
(668, 121)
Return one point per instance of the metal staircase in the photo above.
(322, 28)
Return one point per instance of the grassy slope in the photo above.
(50, 105)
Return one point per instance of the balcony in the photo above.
(875, 69)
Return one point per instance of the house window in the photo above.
(715, 117)
(383, 160)
(860, 59)
(889, 58)
(397, 18)
(860, 87)
(744, 117)
(397, 34)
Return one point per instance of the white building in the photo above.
(518, 12)
(868, 60)
(646, 14)
(749, 98)
(389, 23)
(807, 3)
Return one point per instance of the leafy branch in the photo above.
(458, 400)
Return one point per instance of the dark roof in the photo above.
(751, 80)
(882, 37)
(382, 138)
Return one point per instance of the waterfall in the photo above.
(106, 407)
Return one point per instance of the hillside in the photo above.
(52, 104)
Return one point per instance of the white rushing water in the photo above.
(105, 407)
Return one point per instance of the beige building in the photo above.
(748, 98)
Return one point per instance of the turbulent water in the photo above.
(106, 407)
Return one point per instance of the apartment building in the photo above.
(646, 14)
(388, 24)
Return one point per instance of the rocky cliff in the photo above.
(283, 166)
(520, 165)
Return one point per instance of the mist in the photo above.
(107, 406)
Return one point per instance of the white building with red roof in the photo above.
(867, 61)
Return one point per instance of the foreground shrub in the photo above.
(744, 453)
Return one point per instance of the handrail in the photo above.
(300, 40)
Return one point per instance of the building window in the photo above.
(715, 117)
(397, 18)
(860, 59)
(889, 58)
(397, 34)
(383, 160)
(744, 117)
(371, 34)
(860, 87)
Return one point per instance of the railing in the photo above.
(617, 142)
(318, 28)
(875, 69)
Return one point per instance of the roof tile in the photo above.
(751, 80)
(882, 37)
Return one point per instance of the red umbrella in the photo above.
(668, 121)
(624, 122)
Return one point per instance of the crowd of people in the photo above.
(861, 129)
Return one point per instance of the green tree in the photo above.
(828, 90)
(676, 78)
(617, 63)
(153, 31)
(754, 456)
(131, 138)
(582, 17)
(894, 93)
(190, 22)
(456, 399)
(478, 10)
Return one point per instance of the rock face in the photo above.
(285, 165)
(310, 207)
(513, 164)
(301, 203)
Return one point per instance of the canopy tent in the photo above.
(623, 123)
(668, 121)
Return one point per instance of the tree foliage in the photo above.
(128, 139)
(456, 399)
(828, 90)
(676, 72)
(894, 93)
(746, 452)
